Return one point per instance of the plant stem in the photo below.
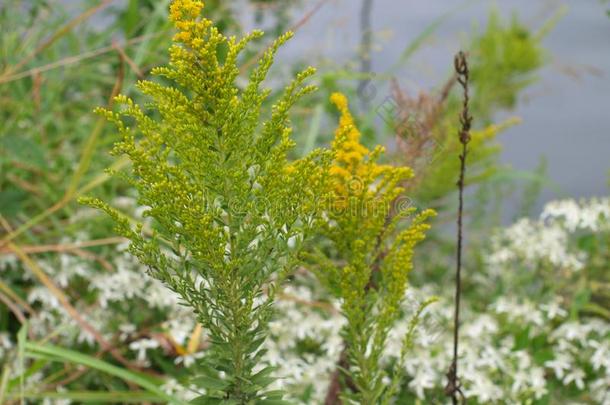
(461, 67)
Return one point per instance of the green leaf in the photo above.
(21, 343)
(255, 344)
(33, 369)
(18, 148)
(274, 402)
(263, 378)
(597, 309)
(274, 394)
(131, 17)
(314, 129)
(211, 383)
(12, 200)
(206, 400)
(581, 299)
(522, 338)
(543, 355)
(3, 382)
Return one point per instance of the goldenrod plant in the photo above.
(229, 211)
(373, 254)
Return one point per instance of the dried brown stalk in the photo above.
(417, 120)
(453, 389)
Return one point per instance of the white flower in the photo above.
(559, 364)
(483, 388)
(180, 328)
(601, 356)
(600, 391)
(538, 382)
(553, 310)
(572, 331)
(175, 389)
(127, 329)
(423, 379)
(141, 346)
(520, 381)
(481, 326)
(188, 359)
(576, 375)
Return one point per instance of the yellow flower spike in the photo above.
(363, 193)
(340, 101)
(185, 9)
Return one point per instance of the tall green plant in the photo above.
(229, 210)
(374, 256)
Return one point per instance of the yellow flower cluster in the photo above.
(349, 152)
(184, 14)
(355, 168)
(185, 9)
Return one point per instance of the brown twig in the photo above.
(308, 16)
(295, 27)
(66, 247)
(132, 64)
(453, 389)
(23, 184)
(328, 307)
(333, 395)
(417, 123)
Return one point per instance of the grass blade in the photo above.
(123, 397)
(54, 353)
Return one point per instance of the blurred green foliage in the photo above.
(504, 58)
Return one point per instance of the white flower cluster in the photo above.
(547, 240)
(495, 365)
(513, 351)
(591, 215)
(128, 285)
